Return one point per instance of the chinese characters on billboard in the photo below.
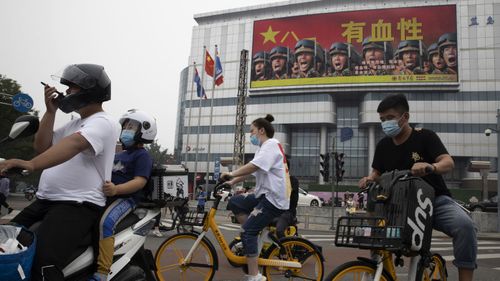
(400, 45)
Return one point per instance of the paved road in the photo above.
(488, 252)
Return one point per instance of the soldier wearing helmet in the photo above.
(376, 54)
(343, 58)
(310, 57)
(435, 59)
(280, 62)
(409, 53)
(447, 44)
(261, 68)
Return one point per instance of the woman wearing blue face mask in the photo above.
(271, 195)
(131, 171)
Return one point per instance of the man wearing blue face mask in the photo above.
(131, 171)
(420, 151)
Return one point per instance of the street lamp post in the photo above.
(498, 170)
(487, 132)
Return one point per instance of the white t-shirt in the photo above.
(271, 176)
(81, 178)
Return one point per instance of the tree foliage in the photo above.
(22, 148)
(160, 156)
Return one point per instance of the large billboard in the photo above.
(398, 45)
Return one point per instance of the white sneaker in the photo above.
(257, 277)
(157, 233)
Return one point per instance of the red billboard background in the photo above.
(327, 28)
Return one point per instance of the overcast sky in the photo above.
(143, 46)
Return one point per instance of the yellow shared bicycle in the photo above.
(192, 256)
(399, 223)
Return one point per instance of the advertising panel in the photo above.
(176, 185)
(397, 45)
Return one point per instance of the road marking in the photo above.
(11, 215)
(479, 257)
(496, 268)
(478, 242)
(318, 235)
(319, 239)
(229, 228)
(451, 248)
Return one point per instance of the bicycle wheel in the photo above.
(356, 270)
(435, 271)
(171, 255)
(295, 249)
(184, 228)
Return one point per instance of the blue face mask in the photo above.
(254, 140)
(127, 138)
(391, 128)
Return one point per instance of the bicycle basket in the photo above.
(193, 218)
(367, 233)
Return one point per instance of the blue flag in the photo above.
(346, 134)
(219, 78)
(199, 88)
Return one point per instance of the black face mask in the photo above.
(74, 102)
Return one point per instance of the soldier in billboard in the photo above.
(280, 62)
(376, 55)
(447, 44)
(321, 61)
(343, 58)
(261, 68)
(437, 64)
(307, 59)
(409, 54)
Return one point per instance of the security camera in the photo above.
(487, 132)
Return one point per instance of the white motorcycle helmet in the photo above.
(147, 125)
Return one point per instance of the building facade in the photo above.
(316, 118)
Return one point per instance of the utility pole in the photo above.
(241, 113)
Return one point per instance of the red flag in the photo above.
(209, 64)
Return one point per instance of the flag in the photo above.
(219, 78)
(209, 64)
(199, 88)
(346, 134)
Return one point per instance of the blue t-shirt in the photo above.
(202, 197)
(129, 164)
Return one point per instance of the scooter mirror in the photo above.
(24, 126)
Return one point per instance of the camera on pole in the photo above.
(339, 166)
(324, 166)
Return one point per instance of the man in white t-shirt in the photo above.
(77, 159)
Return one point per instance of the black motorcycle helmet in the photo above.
(94, 83)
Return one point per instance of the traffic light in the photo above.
(324, 166)
(339, 166)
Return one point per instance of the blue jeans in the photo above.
(260, 214)
(450, 219)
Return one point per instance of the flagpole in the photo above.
(199, 119)
(211, 115)
(189, 118)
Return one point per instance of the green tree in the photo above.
(23, 148)
(159, 155)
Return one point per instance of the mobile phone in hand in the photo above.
(57, 96)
